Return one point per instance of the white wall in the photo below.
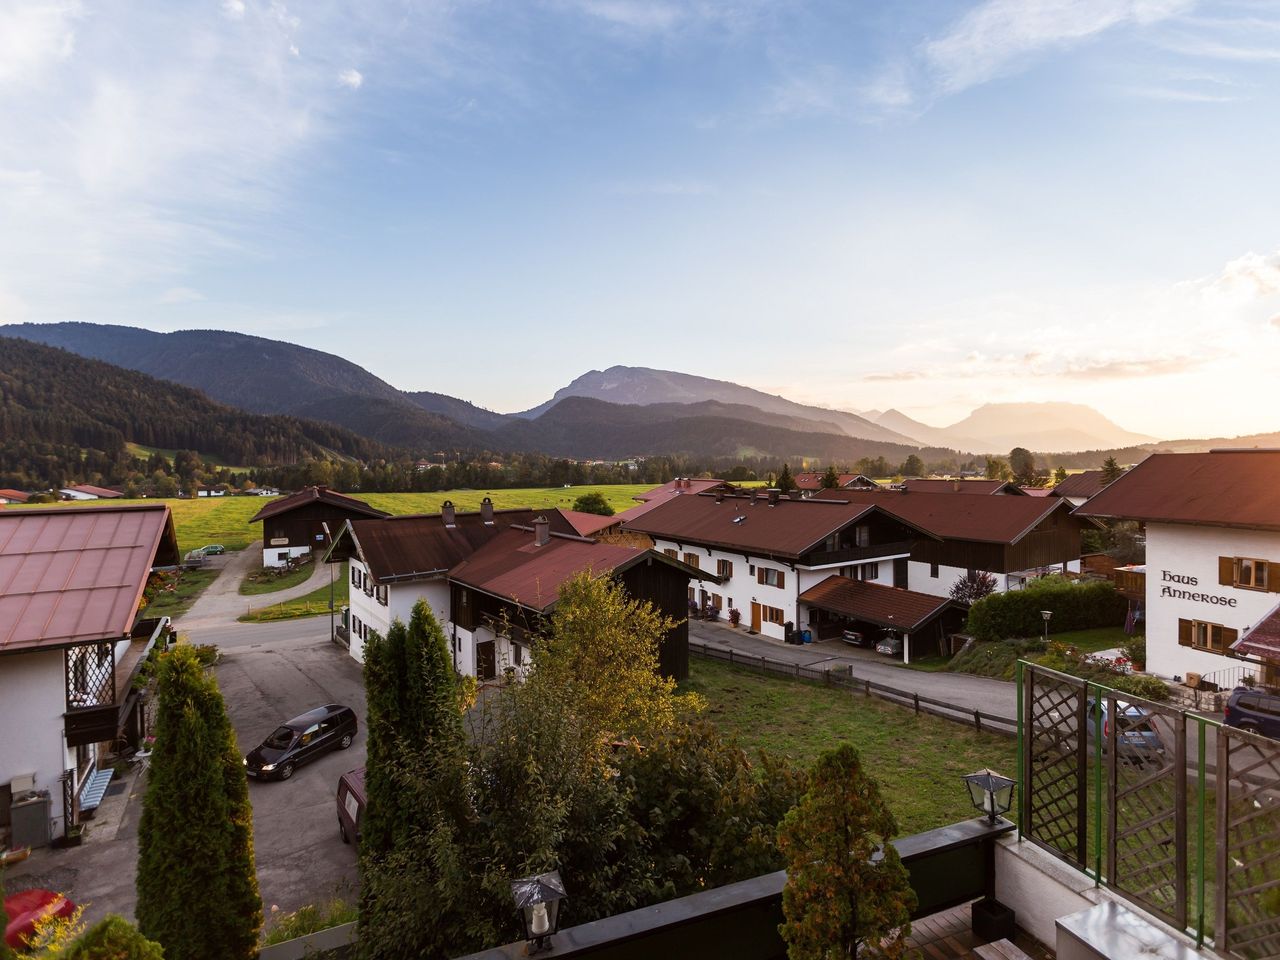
(743, 586)
(279, 556)
(32, 704)
(1193, 551)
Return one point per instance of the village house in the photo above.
(295, 525)
(477, 575)
(1211, 579)
(71, 585)
(87, 491)
(846, 481)
(1079, 487)
(13, 496)
(985, 487)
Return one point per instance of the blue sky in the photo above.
(921, 205)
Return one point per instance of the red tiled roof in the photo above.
(679, 486)
(1036, 491)
(104, 492)
(1263, 640)
(512, 567)
(315, 495)
(1086, 484)
(1224, 488)
(813, 481)
(788, 528)
(978, 517)
(988, 487)
(417, 546)
(588, 524)
(71, 575)
(875, 603)
(15, 495)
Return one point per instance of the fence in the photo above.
(842, 677)
(1125, 790)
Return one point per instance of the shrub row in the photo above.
(1075, 606)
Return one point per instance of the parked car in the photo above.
(351, 803)
(213, 550)
(1137, 738)
(28, 908)
(301, 740)
(1254, 710)
(890, 645)
(854, 638)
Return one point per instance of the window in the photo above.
(382, 595)
(692, 560)
(772, 614)
(355, 576)
(717, 601)
(862, 535)
(770, 577)
(848, 573)
(1211, 637)
(724, 568)
(869, 571)
(933, 570)
(831, 543)
(517, 654)
(1251, 573)
(671, 552)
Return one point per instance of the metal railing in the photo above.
(842, 678)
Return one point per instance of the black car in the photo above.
(301, 740)
(1255, 710)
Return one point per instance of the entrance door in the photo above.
(755, 616)
(486, 661)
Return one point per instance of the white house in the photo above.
(87, 491)
(305, 521)
(70, 646)
(1212, 571)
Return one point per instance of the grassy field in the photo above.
(309, 605)
(918, 760)
(143, 451)
(225, 520)
(258, 582)
(191, 584)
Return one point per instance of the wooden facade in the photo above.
(304, 525)
(1054, 541)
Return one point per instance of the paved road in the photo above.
(222, 600)
(998, 697)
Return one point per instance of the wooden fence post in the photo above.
(977, 721)
(916, 698)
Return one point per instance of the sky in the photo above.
(920, 205)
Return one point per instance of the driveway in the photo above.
(222, 600)
(997, 697)
(301, 858)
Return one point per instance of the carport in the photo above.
(921, 619)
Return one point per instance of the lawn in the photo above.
(918, 760)
(172, 603)
(271, 579)
(309, 605)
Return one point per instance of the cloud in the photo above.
(1091, 369)
(976, 365)
(640, 15)
(33, 36)
(233, 9)
(351, 78)
(1252, 276)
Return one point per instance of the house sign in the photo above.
(279, 541)
(1166, 577)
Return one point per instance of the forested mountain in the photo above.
(55, 406)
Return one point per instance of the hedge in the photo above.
(1075, 606)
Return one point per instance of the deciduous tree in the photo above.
(913, 466)
(973, 586)
(593, 502)
(1059, 475)
(998, 469)
(838, 900)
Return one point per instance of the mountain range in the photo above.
(606, 414)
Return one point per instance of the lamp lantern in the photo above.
(538, 899)
(990, 793)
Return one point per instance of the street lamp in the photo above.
(990, 793)
(1048, 615)
(539, 901)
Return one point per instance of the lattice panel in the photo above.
(1248, 873)
(1053, 803)
(1146, 805)
(91, 675)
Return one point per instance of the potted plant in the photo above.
(735, 617)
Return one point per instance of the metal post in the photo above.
(333, 631)
(1097, 787)
(1022, 773)
(1200, 851)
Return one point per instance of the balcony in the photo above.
(99, 679)
(1131, 582)
(876, 551)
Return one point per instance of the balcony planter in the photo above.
(991, 920)
(72, 838)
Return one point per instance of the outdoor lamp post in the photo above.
(1047, 614)
(539, 901)
(990, 793)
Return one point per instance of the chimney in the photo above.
(955, 485)
(541, 532)
(486, 511)
(447, 513)
(774, 493)
(720, 495)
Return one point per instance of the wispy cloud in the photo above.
(351, 78)
(34, 36)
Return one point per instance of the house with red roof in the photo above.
(294, 526)
(71, 643)
(1212, 574)
(87, 491)
(13, 496)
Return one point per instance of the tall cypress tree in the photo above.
(197, 887)
(5, 952)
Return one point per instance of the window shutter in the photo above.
(759, 574)
(1226, 571)
(1229, 636)
(782, 579)
(1184, 633)
(1273, 577)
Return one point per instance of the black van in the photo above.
(351, 801)
(1255, 710)
(301, 740)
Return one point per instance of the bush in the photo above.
(1135, 651)
(1150, 688)
(311, 919)
(1075, 606)
(112, 938)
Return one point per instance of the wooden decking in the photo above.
(947, 936)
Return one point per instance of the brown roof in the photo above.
(813, 481)
(988, 487)
(875, 603)
(512, 567)
(588, 524)
(978, 517)
(416, 546)
(788, 528)
(1036, 491)
(678, 487)
(1264, 639)
(1224, 488)
(315, 495)
(72, 575)
(17, 495)
(104, 492)
(1086, 484)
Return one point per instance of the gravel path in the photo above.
(222, 601)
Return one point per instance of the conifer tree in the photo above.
(197, 886)
(1111, 471)
(786, 482)
(830, 479)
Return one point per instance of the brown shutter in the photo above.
(1229, 636)
(1273, 577)
(782, 579)
(1226, 571)
(1184, 633)
(759, 574)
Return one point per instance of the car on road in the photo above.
(213, 550)
(301, 740)
(1137, 738)
(1255, 710)
(351, 802)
